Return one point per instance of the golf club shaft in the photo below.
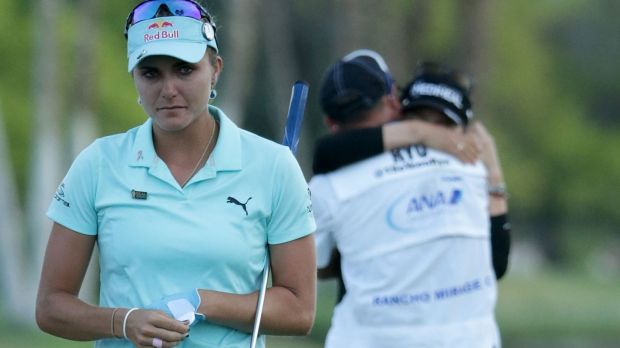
(292, 131)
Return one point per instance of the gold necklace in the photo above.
(204, 152)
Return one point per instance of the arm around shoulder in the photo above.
(454, 141)
(337, 150)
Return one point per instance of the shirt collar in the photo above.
(226, 155)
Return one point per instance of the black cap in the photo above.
(354, 84)
(442, 90)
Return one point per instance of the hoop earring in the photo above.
(213, 94)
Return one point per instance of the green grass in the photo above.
(549, 310)
(560, 306)
(15, 337)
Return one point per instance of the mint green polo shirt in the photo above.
(156, 238)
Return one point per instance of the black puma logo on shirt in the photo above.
(235, 201)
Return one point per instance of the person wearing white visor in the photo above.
(183, 208)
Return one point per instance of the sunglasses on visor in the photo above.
(184, 8)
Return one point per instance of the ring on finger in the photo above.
(157, 342)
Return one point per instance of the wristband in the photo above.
(498, 190)
(125, 321)
(112, 322)
(500, 223)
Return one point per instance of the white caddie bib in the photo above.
(412, 226)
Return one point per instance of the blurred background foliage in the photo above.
(547, 86)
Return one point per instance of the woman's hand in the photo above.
(498, 203)
(148, 328)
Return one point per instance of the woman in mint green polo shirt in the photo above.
(183, 209)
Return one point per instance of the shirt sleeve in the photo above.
(73, 204)
(323, 213)
(291, 216)
(338, 150)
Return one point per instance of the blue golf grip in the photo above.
(295, 116)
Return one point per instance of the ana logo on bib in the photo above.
(410, 212)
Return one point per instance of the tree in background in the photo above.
(12, 273)
(82, 121)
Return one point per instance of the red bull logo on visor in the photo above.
(165, 30)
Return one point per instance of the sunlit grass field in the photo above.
(562, 310)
